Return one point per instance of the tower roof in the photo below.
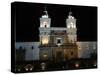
(70, 15)
(45, 15)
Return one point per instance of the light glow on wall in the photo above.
(71, 25)
(44, 24)
(45, 40)
(76, 65)
(68, 26)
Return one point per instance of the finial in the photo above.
(45, 8)
(45, 15)
(70, 13)
(45, 11)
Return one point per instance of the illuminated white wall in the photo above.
(45, 21)
(31, 54)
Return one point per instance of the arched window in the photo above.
(20, 47)
(59, 41)
(72, 53)
(32, 47)
(45, 25)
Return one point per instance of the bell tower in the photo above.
(71, 28)
(44, 28)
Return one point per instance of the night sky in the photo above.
(27, 16)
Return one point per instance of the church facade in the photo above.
(57, 43)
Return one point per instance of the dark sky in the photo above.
(27, 19)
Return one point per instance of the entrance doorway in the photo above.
(58, 56)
